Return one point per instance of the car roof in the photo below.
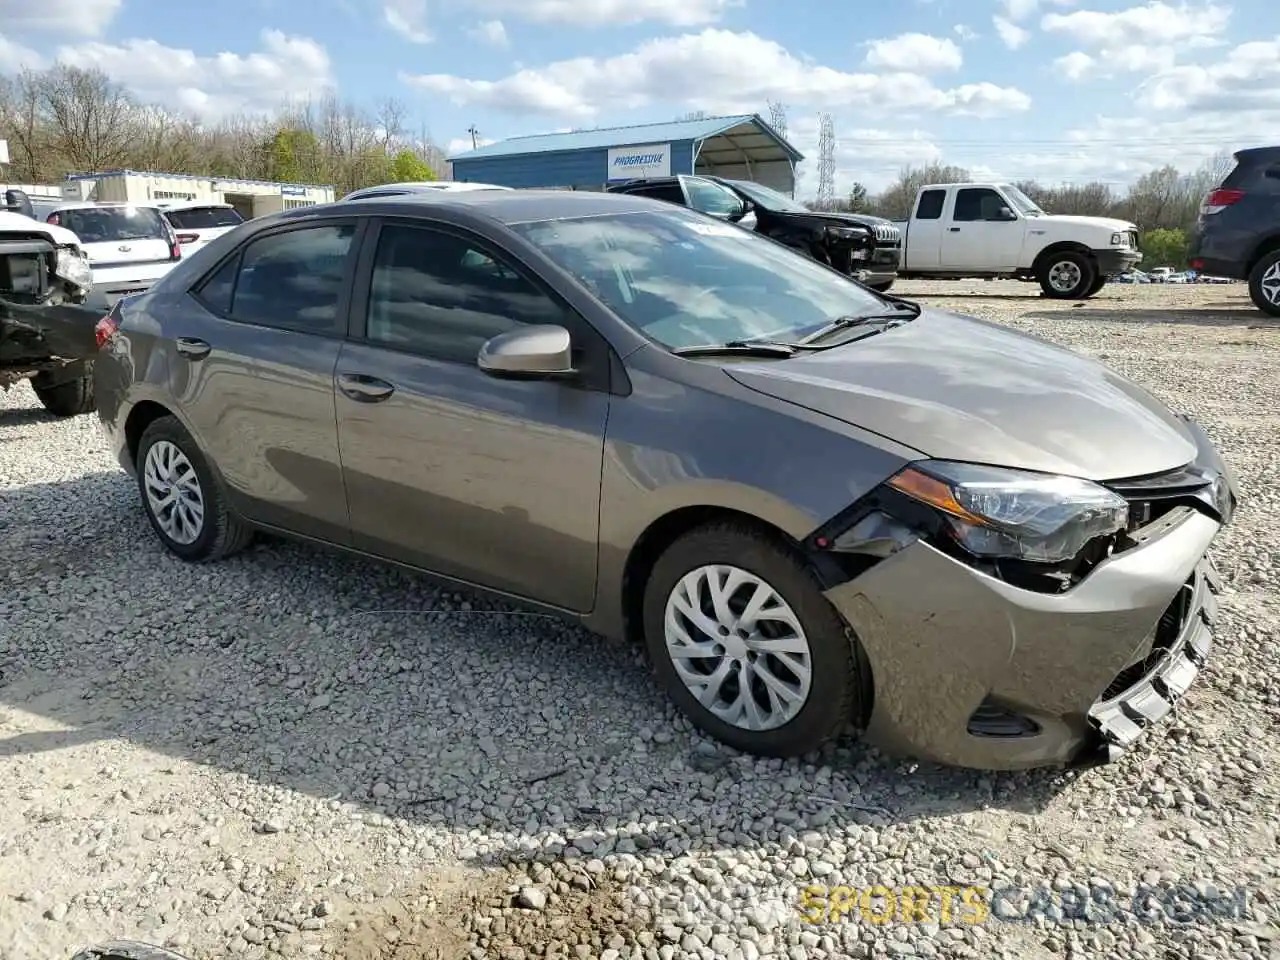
(426, 186)
(110, 205)
(192, 205)
(505, 206)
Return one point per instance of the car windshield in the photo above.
(204, 218)
(767, 198)
(1026, 206)
(112, 224)
(686, 280)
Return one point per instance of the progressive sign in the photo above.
(650, 160)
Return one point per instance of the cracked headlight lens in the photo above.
(73, 266)
(998, 513)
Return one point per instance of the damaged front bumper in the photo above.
(972, 670)
(976, 672)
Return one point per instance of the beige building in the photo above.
(252, 198)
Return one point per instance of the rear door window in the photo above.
(670, 192)
(930, 206)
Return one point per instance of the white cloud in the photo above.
(716, 70)
(491, 32)
(409, 19)
(1155, 22)
(965, 33)
(14, 56)
(86, 18)
(285, 68)
(463, 144)
(1074, 66)
(1022, 9)
(1246, 79)
(915, 52)
(1013, 35)
(870, 156)
(597, 13)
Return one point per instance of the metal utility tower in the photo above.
(778, 118)
(826, 162)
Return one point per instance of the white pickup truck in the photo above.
(994, 230)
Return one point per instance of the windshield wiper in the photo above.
(905, 312)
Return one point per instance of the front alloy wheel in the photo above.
(738, 647)
(1264, 284)
(746, 645)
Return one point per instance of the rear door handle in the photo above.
(192, 348)
(363, 388)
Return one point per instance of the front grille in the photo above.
(1152, 497)
(1167, 632)
(887, 233)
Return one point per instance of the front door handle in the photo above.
(954, 229)
(363, 388)
(192, 348)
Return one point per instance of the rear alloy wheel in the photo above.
(1067, 275)
(1264, 284)
(746, 644)
(183, 499)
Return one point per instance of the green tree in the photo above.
(858, 201)
(408, 167)
(1164, 248)
(289, 152)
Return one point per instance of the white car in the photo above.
(197, 223)
(130, 246)
(425, 186)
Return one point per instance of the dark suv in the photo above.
(843, 241)
(1237, 234)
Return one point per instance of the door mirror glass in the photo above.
(1006, 214)
(534, 352)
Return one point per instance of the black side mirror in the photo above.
(16, 201)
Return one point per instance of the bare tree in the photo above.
(896, 202)
(92, 117)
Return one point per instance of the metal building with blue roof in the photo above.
(742, 147)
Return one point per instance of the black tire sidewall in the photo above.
(1088, 274)
(1255, 284)
(833, 700)
(170, 429)
(70, 398)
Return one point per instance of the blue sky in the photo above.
(1052, 89)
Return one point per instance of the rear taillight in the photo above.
(175, 249)
(105, 329)
(1219, 200)
(188, 237)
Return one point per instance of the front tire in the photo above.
(747, 646)
(182, 497)
(883, 287)
(1264, 284)
(69, 398)
(1067, 275)
(1096, 287)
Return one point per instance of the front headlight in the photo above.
(846, 233)
(999, 513)
(1119, 239)
(73, 266)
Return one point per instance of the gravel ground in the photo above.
(299, 753)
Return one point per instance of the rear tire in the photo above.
(1066, 275)
(884, 287)
(69, 398)
(1264, 284)
(798, 646)
(183, 498)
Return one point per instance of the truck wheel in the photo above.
(883, 287)
(70, 398)
(1264, 284)
(1096, 288)
(1067, 275)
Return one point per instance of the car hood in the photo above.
(1108, 223)
(957, 388)
(17, 223)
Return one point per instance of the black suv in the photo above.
(1237, 234)
(865, 248)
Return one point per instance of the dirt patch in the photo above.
(459, 918)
